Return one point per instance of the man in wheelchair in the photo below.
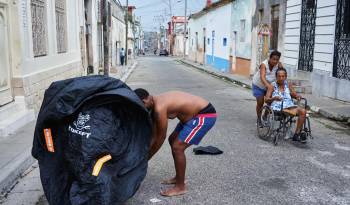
(281, 93)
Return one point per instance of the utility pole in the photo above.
(126, 35)
(105, 38)
(185, 29)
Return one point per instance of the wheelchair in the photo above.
(278, 125)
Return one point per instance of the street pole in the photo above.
(126, 35)
(105, 38)
(185, 29)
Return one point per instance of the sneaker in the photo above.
(296, 137)
(303, 137)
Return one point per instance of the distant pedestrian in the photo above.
(122, 56)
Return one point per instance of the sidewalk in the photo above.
(123, 72)
(15, 156)
(327, 107)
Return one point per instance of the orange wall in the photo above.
(242, 67)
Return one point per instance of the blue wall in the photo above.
(220, 64)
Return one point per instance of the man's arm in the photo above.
(268, 96)
(293, 93)
(159, 134)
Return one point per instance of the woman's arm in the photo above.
(268, 96)
(263, 76)
(280, 65)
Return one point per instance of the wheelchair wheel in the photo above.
(280, 132)
(267, 120)
(307, 128)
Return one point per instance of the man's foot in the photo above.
(296, 137)
(303, 137)
(169, 181)
(175, 191)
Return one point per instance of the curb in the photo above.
(11, 172)
(315, 109)
(127, 75)
(218, 75)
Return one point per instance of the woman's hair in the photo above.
(275, 53)
(281, 69)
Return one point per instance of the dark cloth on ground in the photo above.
(210, 150)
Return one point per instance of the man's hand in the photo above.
(277, 98)
(298, 97)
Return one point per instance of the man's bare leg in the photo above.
(301, 119)
(178, 150)
(171, 140)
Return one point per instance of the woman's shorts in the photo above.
(258, 92)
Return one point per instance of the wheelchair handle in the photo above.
(305, 102)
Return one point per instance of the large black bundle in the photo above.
(91, 141)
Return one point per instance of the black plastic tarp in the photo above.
(91, 117)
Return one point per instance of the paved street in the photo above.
(251, 171)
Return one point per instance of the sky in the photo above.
(153, 12)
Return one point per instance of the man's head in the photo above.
(146, 98)
(274, 58)
(281, 75)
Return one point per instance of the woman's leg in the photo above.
(259, 105)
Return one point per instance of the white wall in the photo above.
(324, 35)
(31, 65)
(242, 10)
(118, 34)
(219, 20)
(196, 25)
(292, 34)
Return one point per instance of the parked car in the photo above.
(163, 52)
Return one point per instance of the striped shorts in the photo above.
(194, 130)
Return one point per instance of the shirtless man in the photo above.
(196, 117)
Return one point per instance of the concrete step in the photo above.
(14, 116)
(303, 89)
(299, 82)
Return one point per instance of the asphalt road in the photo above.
(251, 171)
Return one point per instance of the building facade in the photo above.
(40, 43)
(210, 25)
(317, 45)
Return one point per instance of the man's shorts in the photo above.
(258, 92)
(194, 130)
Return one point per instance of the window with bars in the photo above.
(39, 29)
(347, 18)
(274, 27)
(61, 30)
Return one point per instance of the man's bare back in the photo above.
(181, 105)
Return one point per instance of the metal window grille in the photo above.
(341, 65)
(274, 26)
(39, 30)
(61, 28)
(307, 35)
